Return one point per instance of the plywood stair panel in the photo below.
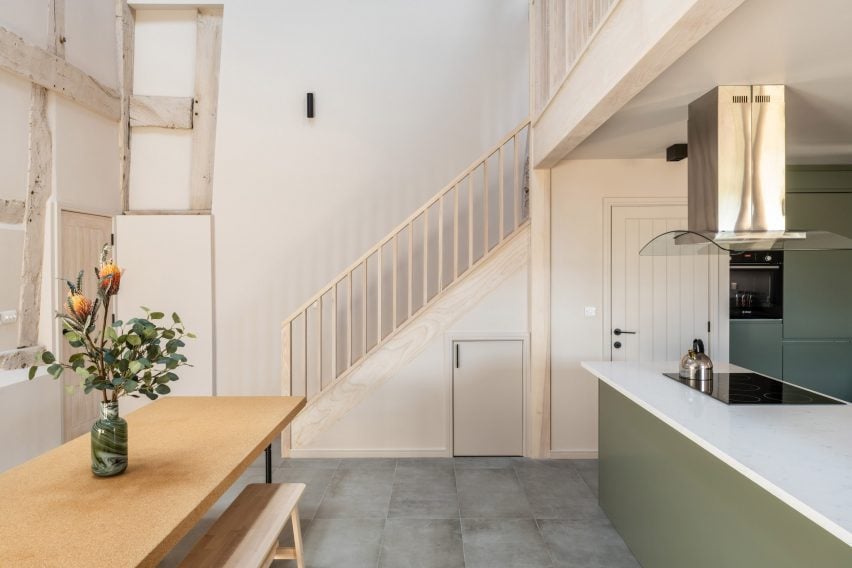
(410, 340)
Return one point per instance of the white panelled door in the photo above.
(659, 303)
(82, 239)
(488, 398)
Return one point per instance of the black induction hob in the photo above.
(751, 388)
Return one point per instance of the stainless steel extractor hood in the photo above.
(736, 140)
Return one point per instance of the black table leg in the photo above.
(268, 452)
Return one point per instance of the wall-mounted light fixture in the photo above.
(310, 105)
(676, 152)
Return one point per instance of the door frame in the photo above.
(54, 214)
(610, 203)
(451, 337)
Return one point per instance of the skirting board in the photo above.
(389, 453)
(573, 454)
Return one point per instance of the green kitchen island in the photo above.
(689, 481)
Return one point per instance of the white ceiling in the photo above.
(804, 44)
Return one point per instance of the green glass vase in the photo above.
(109, 442)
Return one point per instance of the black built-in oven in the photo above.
(757, 285)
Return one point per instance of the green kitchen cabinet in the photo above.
(817, 347)
(818, 284)
(756, 345)
(824, 366)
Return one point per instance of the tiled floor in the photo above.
(475, 512)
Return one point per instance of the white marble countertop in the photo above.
(800, 454)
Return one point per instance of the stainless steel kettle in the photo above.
(696, 365)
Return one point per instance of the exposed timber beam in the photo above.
(38, 190)
(124, 35)
(52, 72)
(56, 23)
(12, 211)
(637, 42)
(207, 54)
(163, 112)
(19, 358)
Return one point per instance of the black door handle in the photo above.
(458, 356)
(617, 331)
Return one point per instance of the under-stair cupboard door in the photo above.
(169, 268)
(82, 239)
(488, 398)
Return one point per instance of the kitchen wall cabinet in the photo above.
(756, 345)
(817, 348)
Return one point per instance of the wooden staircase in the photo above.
(381, 312)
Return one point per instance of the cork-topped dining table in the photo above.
(184, 453)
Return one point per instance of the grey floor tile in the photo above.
(357, 493)
(588, 470)
(182, 548)
(333, 543)
(424, 492)
(484, 463)
(419, 543)
(260, 460)
(491, 493)
(558, 493)
(311, 463)
(368, 463)
(503, 543)
(286, 536)
(591, 544)
(426, 462)
(317, 482)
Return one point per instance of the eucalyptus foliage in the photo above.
(136, 357)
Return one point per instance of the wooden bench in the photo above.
(246, 535)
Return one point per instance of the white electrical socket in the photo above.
(9, 316)
(591, 311)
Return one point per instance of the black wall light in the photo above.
(310, 105)
(676, 152)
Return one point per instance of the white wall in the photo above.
(579, 188)
(88, 44)
(163, 65)
(30, 420)
(407, 95)
(84, 178)
(170, 281)
(410, 414)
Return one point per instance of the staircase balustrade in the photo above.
(403, 273)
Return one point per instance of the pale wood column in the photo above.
(538, 406)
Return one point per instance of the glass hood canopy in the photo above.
(684, 242)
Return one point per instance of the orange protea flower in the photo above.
(78, 306)
(110, 276)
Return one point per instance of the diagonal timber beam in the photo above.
(51, 72)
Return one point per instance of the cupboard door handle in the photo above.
(458, 357)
